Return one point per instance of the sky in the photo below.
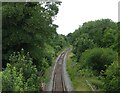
(73, 13)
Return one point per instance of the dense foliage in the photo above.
(81, 44)
(28, 26)
(112, 79)
(21, 74)
(98, 59)
(95, 48)
(103, 32)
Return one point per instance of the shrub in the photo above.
(20, 75)
(98, 59)
(82, 44)
(112, 79)
(12, 80)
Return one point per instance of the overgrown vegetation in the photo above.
(21, 74)
(97, 59)
(30, 44)
(28, 26)
(95, 48)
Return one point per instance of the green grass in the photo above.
(79, 82)
(96, 83)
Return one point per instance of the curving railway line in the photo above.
(58, 77)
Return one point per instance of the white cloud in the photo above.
(73, 13)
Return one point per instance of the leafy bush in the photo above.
(82, 44)
(112, 79)
(20, 75)
(49, 53)
(12, 80)
(98, 59)
(110, 38)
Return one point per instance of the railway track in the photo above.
(58, 78)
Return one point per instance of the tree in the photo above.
(95, 30)
(28, 25)
(81, 44)
(110, 38)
